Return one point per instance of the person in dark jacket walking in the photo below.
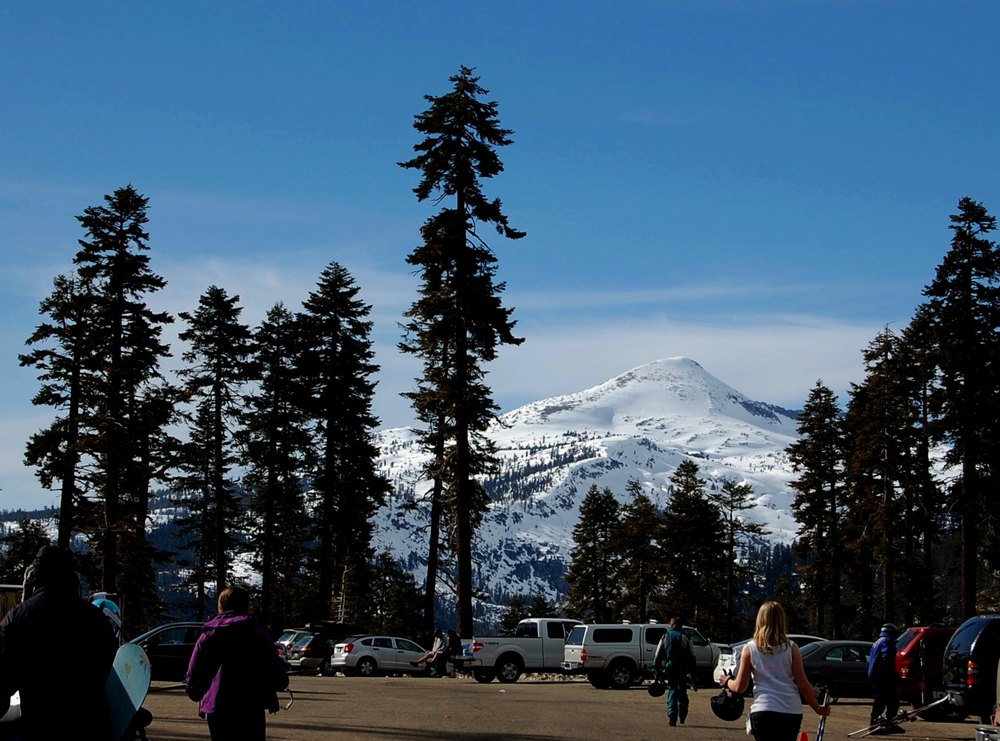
(235, 672)
(883, 679)
(674, 659)
(56, 650)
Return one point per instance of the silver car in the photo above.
(370, 655)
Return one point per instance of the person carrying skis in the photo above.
(884, 682)
(674, 661)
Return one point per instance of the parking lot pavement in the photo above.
(461, 709)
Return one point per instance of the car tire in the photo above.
(325, 669)
(508, 669)
(366, 667)
(621, 674)
(599, 680)
(483, 676)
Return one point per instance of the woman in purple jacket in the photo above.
(235, 672)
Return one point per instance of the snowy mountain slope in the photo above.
(640, 425)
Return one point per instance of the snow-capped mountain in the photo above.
(640, 425)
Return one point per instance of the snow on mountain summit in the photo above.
(638, 426)
(673, 389)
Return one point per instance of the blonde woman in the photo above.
(779, 679)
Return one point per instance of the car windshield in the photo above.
(810, 648)
(904, 640)
(302, 640)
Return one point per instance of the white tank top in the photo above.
(774, 687)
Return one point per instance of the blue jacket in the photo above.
(882, 660)
(674, 654)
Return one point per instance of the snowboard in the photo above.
(126, 688)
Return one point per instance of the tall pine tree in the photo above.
(278, 455)
(336, 366)
(640, 541)
(964, 317)
(458, 323)
(595, 564)
(214, 380)
(64, 357)
(129, 402)
(692, 527)
(818, 460)
(739, 533)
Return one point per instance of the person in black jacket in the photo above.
(56, 650)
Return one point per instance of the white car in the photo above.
(729, 656)
(367, 656)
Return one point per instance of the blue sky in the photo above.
(758, 185)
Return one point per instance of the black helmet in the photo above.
(656, 689)
(727, 705)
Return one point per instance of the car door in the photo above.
(385, 654)
(407, 651)
(169, 651)
(650, 638)
(704, 652)
(844, 669)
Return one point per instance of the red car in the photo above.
(919, 662)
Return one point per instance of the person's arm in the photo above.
(808, 694)
(742, 679)
(201, 668)
(659, 659)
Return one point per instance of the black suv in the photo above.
(970, 666)
(313, 650)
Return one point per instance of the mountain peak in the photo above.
(636, 427)
(665, 389)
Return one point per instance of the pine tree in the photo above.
(127, 413)
(336, 367)
(732, 500)
(18, 548)
(886, 464)
(540, 606)
(964, 324)
(216, 372)
(595, 565)
(818, 459)
(458, 322)
(277, 455)
(927, 506)
(61, 356)
(692, 532)
(515, 613)
(393, 607)
(640, 541)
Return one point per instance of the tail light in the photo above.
(583, 654)
(348, 647)
(972, 674)
(477, 646)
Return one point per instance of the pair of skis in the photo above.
(887, 722)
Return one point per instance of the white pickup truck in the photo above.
(536, 646)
